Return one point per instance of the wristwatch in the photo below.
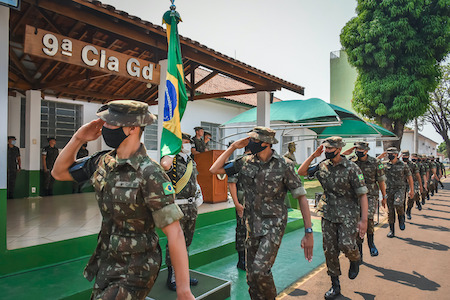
(308, 230)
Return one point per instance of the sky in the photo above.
(291, 39)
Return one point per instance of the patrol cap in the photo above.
(392, 150)
(124, 113)
(207, 133)
(11, 137)
(197, 128)
(264, 134)
(334, 141)
(405, 152)
(50, 138)
(291, 144)
(185, 136)
(415, 154)
(362, 145)
(431, 156)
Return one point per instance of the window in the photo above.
(285, 141)
(59, 120)
(378, 144)
(216, 132)
(151, 136)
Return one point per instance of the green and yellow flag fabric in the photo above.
(175, 95)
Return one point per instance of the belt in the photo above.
(190, 200)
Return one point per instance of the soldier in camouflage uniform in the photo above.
(433, 175)
(416, 158)
(290, 153)
(181, 169)
(373, 171)
(426, 185)
(442, 171)
(237, 194)
(265, 178)
(198, 141)
(345, 203)
(397, 174)
(134, 195)
(415, 172)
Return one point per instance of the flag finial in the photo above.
(172, 7)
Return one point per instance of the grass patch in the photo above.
(312, 187)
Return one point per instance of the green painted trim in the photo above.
(34, 180)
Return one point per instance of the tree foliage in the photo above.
(396, 47)
(438, 113)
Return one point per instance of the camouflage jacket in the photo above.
(234, 179)
(265, 185)
(342, 184)
(373, 171)
(177, 171)
(199, 144)
(396, 175)
(414, 169)
(291, 157)
(134, 195)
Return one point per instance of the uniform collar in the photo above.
(134, 160)
(343, 162)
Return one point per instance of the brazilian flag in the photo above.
(175, 95)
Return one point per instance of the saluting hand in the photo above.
(241, 143)
(90, 131)
(349, 151)
(318, 151)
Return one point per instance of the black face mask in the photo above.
(414, 160)
(113, 137)
(255, 147)
(392, 156)
(330, 155)
(405, 159)
(360, 154)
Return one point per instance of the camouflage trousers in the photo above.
(187, 224)
(128, 276)
(370, 230)
(339, 237)
(373, 204)
(241, 233)
(260, 256)
(396, 202)
(415, 199)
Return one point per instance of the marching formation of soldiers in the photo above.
(136, 194)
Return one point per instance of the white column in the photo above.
(263, 109)
(161, 97)
(4, 60)
(33, 130)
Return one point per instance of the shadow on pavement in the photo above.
(438, 210)
(425, 245)
(366, 296)
(433, 217)
(426, 227)
(298, 292)
(417, 280)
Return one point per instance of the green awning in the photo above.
(294, 111)
(384, 132)
(348, 128)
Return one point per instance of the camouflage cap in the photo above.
(334, 141)
(197, 128)
(405, 152)
(431, 156)
(291, 144)
(125, 113)
(415, 154)
(264, 134)
(207, 133)
(392, 150)
(362, 145)
(424, 156)
(185, 136)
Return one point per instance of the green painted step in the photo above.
(289, 266)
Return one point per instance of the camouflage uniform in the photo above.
(343, 183)
(396, 176)
(241, 231)
(426, 169)
(199, 144)
(187, 194)
(264, 185)
(134, 195)
(431, 182)
(414, 169)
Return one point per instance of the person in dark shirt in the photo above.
(83, 152)
(198, 140)
(13, 165)
(49, 155)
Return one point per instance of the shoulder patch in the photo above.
(381, 166)
(361, 177)
(168, 188)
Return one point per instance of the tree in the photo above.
(442, 148)
(396, 47)
(438, 113)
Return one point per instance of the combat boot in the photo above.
(335, 289)
(419, 206)
(171, 284)
(354, 269)
(241, 262)
(408, 213)
(391, 233)
(360, 246)
(373, 249)
(401, 222)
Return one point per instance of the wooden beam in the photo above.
(19, 65)
(231, 93)
(206, 79)
(22, 18)
(76, 78)
(49, 20)
(73, 91)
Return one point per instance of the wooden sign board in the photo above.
(46, 44)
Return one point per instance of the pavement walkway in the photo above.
(413, 265)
